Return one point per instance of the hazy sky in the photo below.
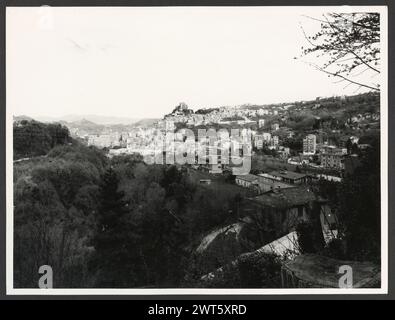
(141, 62)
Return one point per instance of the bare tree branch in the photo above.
(349, 41)
(343, 77)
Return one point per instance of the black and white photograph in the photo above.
(197, 150)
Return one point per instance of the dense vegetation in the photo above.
(32, 138)
(357, 203)
(326, 113)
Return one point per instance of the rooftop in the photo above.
(286, 198)
(273, 183)
(319, 271)
(247, 177)
(288, 174)
(284, 246)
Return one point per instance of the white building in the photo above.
(262, 112)
(309, 144)
(261, 139)
(258, 141)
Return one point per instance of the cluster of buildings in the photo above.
(328, 156)
(271, 140)
(145, 140)
(161, 145)
(361, 120)
(221, 115)
(108, 140)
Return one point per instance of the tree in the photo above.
(356, 202)
(310, 237)
(350, 45)
(259, 270)
(359, 209)
(51, 232)
(113, 241)
(33, 138)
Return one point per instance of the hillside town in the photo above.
(322, 151)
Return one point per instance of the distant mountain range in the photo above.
(84, 119)
(106, 120)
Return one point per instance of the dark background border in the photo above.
(64, 3)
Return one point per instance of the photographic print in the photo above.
(156, 150)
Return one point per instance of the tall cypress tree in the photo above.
(113, 255)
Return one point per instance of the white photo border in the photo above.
(10, 290)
